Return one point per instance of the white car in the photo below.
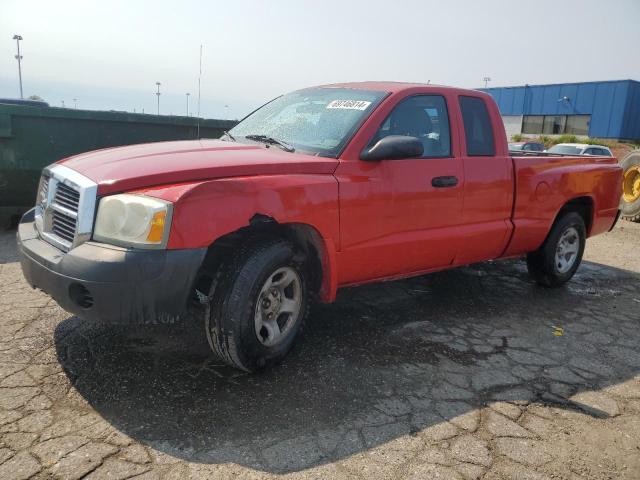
(580, 149)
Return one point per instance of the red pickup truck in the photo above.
(321, 188)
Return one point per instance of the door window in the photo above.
(477, 127)
(424, 117)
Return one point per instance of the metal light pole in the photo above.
(158, 94)
(17, 38)
(187, 94)
(486, 81)
(75, 103)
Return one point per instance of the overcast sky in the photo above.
(109, 54)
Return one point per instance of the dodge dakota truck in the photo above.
(319, 189)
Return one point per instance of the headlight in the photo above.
(133, 220)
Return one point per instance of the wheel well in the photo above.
(581, 205)
(305, 238)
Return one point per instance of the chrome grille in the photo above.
(67, 197)
(65, 208)
(63, 226)
(44, 190)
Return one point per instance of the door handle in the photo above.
(444, 182)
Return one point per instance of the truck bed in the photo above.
(544, 183)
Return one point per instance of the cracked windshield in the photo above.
(318, 121)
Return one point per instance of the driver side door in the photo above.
(401, 216)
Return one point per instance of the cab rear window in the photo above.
(478, 130)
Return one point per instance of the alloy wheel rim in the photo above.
(278, 306)
(567, 250)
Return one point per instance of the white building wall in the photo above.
(512, 124)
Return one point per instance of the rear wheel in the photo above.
(631, 187)
(257, 305)
(557, 260)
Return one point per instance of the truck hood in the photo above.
(132, 167)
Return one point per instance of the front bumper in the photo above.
(96, 281)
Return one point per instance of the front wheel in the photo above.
(557, 260)
(257, 306)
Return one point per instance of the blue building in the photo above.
(608, 109)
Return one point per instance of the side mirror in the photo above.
(394, 147)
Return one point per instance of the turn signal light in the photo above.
(157, 227)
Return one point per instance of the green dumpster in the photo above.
(32, 137)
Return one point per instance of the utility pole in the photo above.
(187, 94)
(486, 81)
(158, 94)
(75, 103)
(17, 38)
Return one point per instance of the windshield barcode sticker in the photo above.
(349, 104)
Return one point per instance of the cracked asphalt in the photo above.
(465, 374)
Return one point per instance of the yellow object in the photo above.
(558, 331)
(631, 184)
(157, 227)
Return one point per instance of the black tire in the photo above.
(234, 294)
(542, 263)
(631, 209)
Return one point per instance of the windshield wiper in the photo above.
(227, 134)
(272, 141)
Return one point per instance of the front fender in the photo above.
(206, 211)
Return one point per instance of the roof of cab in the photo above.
(395, 87)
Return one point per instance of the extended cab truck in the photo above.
(319, 189)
